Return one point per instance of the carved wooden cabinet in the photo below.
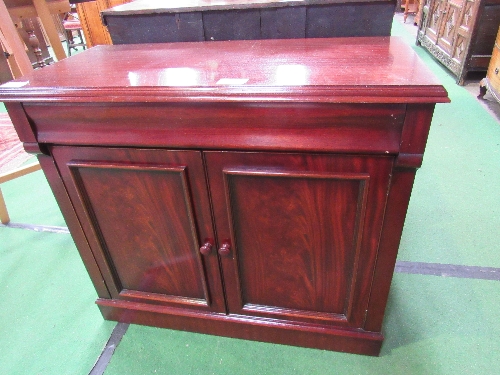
(252, 189)
(89, 13)
(460, 33)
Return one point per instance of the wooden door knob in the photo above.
(225, 249)
(206, 249)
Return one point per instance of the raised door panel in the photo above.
(464, 30)
(435, 19)
(145, 214)
(303, 232)
(452, 16)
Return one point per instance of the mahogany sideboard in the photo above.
(160, 21)
(251, 189)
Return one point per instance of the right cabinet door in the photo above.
(298, 233)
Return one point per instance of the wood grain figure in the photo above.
(250, 189)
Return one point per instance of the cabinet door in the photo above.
(450, 23)
(145, 214)
(435, 19)
(298, 234)
(464, 29)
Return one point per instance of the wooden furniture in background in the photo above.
(413, 6)
(157, 21)
(72, 25)
(89, 13)
(19, 62)
(5, 72)
(8, 176)
(251, 189)
(35, 41)
(22, 17)
(420, 11)
(460, 33)
(43, 9)
(12, 156)
(492, 80)
(410, 6)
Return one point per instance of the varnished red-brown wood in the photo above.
(304, 231)
(145, 213)
(237, 326)
(413, 140)
(23, 128)
(300, 188)
(397, 204)
(352, 70)
(56, 184)
(207, 247)
(285, 126)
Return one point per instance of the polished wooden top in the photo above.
(167, 6)
(354, 70)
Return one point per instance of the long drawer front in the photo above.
(352, 128)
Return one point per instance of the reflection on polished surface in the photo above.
(290, 74)
(284, 75)
(133, 78)
(178, 77)
(333, 66)
(166, 77)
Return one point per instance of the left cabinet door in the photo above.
(146, 213)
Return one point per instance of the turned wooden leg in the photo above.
(70, 40)
(18, 60)
(48, 25)
(482, 89)
(4, 215)
(33, 41)
(407, 9)
(420, 10)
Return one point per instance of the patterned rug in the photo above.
(12, 154)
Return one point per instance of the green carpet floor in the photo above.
(454, 213)
(434, 325)
(48, 321)
(22, 197)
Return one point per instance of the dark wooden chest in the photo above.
(150, 21)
